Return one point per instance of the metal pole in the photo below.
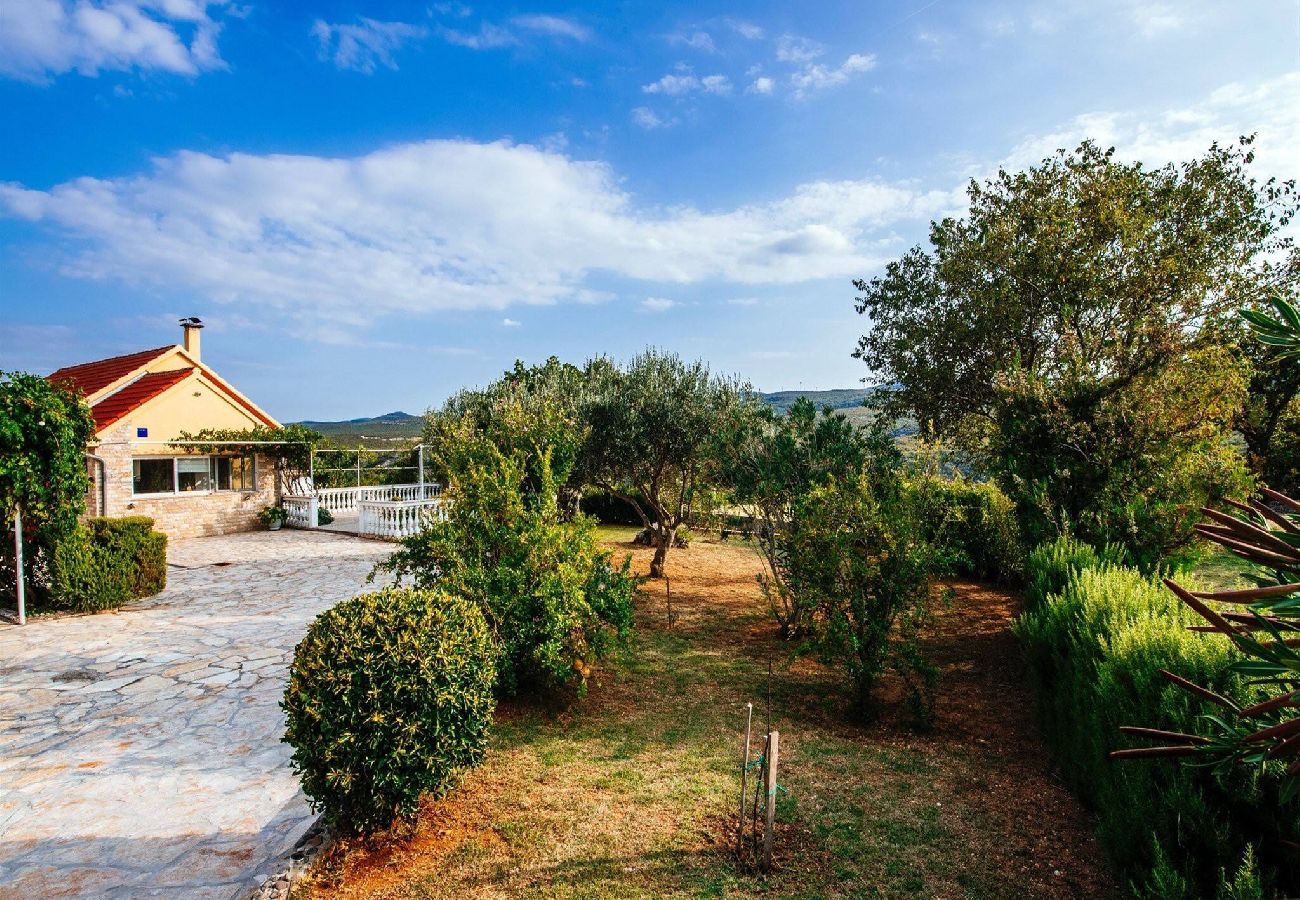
(769, 825)
(744, 773)
(421, 458)
(358, 469)
(18, 556)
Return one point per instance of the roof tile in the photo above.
(134, 395)
(95, 376)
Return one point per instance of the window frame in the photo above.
(250, 471)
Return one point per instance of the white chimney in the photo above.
(190, 327)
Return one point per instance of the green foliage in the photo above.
(857, 563)
(528, 412)
(1132, 466)
(1269, 422)
(389, 698)
(44, 430)
(1049, 567)
(651, 433)
(105, 562)
(324, 516)
(1069, 330)
(970, 526)
(770, 463)
(272, 515)
(1094, 652)
(552, 597)
(290, 446)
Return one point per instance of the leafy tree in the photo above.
(553, 598)
(771, 462)
(652, 429)
(856, 560)
(44, 430)
(1071, 300)
(530, 409)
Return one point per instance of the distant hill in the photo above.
(394, 426)
(382, 430)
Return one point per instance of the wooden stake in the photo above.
(773, 750)
(744, 778)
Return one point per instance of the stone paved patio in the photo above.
(140, 750)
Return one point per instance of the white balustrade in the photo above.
(300, 512)
(345, 499)
(396, 519)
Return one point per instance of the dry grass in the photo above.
(630, 792)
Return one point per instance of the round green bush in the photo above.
(389, 697)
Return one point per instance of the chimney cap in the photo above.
(191, 322)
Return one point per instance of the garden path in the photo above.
(140, 750)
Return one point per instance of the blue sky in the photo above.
(374, 204)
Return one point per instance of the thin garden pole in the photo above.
(769, 828)
(18, 557)
(421, 458)
(744, 775)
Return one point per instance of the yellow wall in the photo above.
(179, 409)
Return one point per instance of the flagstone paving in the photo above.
(140, 750)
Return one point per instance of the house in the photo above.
(143, 401)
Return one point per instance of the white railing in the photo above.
(345, 499)
(300, 512)
(397, 518)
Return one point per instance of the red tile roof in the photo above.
(95, 376)
(134, 395)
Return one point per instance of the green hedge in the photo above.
(1048, 567)
(389, 697)
(971, 525)
(1094, 650)
(104, 562)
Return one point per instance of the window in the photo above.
(193, 474)
(232, 473)
(152, 476)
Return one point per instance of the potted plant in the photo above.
(273, 517)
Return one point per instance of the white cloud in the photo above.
(441, 225)
(696, 40)
(672, 85)
(761, 85)
(1157, 19)
(747, 30)
(1271, 108)
(816, 77)
(716, 84)
(648, 119)
(743, 301)
(658, 304)
(365, 45)
(794, 49)
(488, 37)
(511, 323)
(676, 85)
(40, 38)
(555, 26)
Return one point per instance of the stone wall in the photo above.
(179, 515)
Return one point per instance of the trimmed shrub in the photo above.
(1094, 651)
(970, 524)
(389, 698)
(105, 562)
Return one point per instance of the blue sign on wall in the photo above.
(142, 432)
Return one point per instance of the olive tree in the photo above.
(1069, 330)
(652, 427)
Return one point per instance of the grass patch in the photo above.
(632, 790)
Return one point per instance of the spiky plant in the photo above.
(1264, 624)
